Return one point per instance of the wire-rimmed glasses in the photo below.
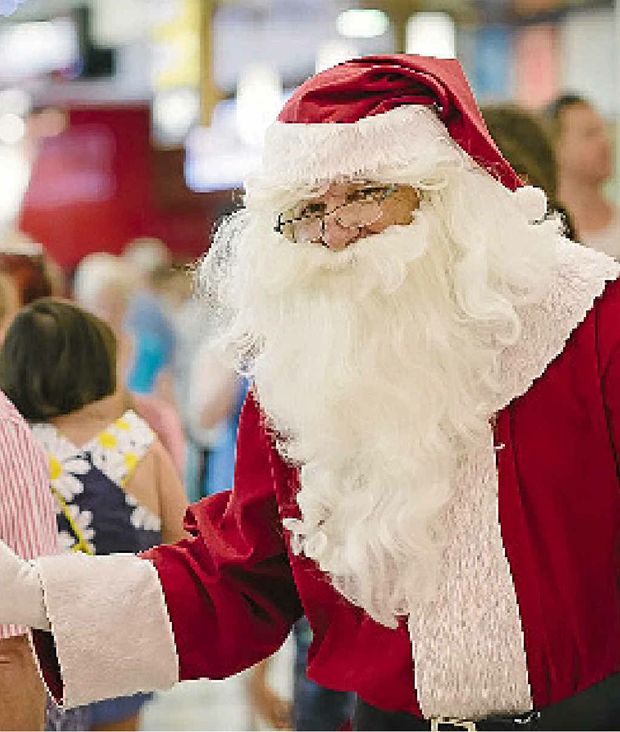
(305, 223)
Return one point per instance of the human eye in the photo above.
(366, 193)
(312, 209)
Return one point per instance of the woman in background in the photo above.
(115, 487)
(524, 142)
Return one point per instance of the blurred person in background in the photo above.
(148, 321)
(585, 164)
(526, 145)
(9, 303)
(269, 709)
(28, 525)
(217, 394)
(104, 284)
(113, 483)
(208, 391)
(194, 330)
(316, 707)
(26, 263)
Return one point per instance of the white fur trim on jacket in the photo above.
(468, 642)
(110, 624)
(581, 276)
(409, 137)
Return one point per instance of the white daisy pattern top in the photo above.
(95, 514)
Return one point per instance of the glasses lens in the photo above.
(308, 229)
(305, 230)
(362, 207)
(358, 214)
(288, 230)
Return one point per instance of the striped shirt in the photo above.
(27, 515)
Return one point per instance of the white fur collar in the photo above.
(581, 276)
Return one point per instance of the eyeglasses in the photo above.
(306, 222)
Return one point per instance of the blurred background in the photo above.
(127, 127)
(137, 117)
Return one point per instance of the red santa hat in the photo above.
(380, 112)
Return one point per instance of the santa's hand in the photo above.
(21, 596)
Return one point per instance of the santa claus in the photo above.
(428, 459)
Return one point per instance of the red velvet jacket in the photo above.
(235, 589)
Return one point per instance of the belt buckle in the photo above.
(466, 724)
(527, 719)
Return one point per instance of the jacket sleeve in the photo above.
(229, 590)
(208, 606)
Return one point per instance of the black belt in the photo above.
(596, 708)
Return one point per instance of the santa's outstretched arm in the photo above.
(205, 607)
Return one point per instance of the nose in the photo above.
(337, 237)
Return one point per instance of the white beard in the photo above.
(377, 366)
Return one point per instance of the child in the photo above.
(115, 487)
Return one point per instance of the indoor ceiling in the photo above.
(462, 10)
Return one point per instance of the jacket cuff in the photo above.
(111, 634)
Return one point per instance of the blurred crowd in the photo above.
(108, 366)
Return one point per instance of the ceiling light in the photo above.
(362, 23)
(174, 112)
(431, 34)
